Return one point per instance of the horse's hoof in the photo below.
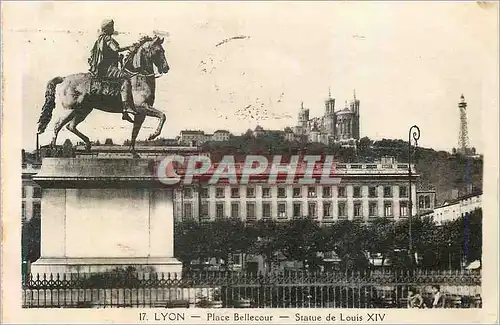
(126, 117)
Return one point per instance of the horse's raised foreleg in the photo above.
(153, 112)
(77, 119)
(59, 124)
(138, 120)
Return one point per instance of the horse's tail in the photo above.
(49, 105)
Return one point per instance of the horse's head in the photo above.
(148, 52)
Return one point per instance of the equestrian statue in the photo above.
(109, 87)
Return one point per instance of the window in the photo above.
(251, 211)
(403, 191)
(342, 212)
(327, 209)
(311, 191)
(37, 210)
(421, 202)
(341, 191)
(427, 202)
(281, 210)
(188, 211)
(297, 192)
(266, 192)
(204, 209)
(357, 209)
(219, 192)
(23, 212)
(250, 192)
(235, 192)
(219, 210)
(266, 210)
(188, 193)
(281, 192)
(387, 209)
(37, 192)
(23, 191)
(357, 191)
(235, 210)
(312, 210)
(403, 209)
(372, 209)
(297, 210)
(327, 191)
(204, 193)
(387, 191)
(372, 191)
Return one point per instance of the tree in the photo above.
(301, 241)
(350, 244)
(268, 241)
(228, 237)
(381, 238)
(108, 142)
(475, 236)
(189, 242)
(67, 149)
(30, 236)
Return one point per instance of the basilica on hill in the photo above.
(340, 126)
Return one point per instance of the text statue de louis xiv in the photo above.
(111, 85)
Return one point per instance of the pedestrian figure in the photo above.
(439, 298)
(415, 300)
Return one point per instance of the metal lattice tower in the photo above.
(463, 135)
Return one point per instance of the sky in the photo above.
(408, 62)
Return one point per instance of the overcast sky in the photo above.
(409, 63)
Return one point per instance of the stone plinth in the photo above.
(99, 214)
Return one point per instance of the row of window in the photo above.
(188, 193)
(312, 211)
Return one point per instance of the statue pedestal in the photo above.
(102, 214)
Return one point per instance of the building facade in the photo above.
(198, 137)
(365, 192)
(457, 208)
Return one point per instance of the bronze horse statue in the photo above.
(78, 99)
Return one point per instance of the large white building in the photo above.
(456, 208)
(365, 191)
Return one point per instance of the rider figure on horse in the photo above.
(104, 62)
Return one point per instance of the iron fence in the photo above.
(389, 289)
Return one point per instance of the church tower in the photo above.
(354, 107)
(303, 120)
(329, 116)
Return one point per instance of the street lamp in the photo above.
(414, 133)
